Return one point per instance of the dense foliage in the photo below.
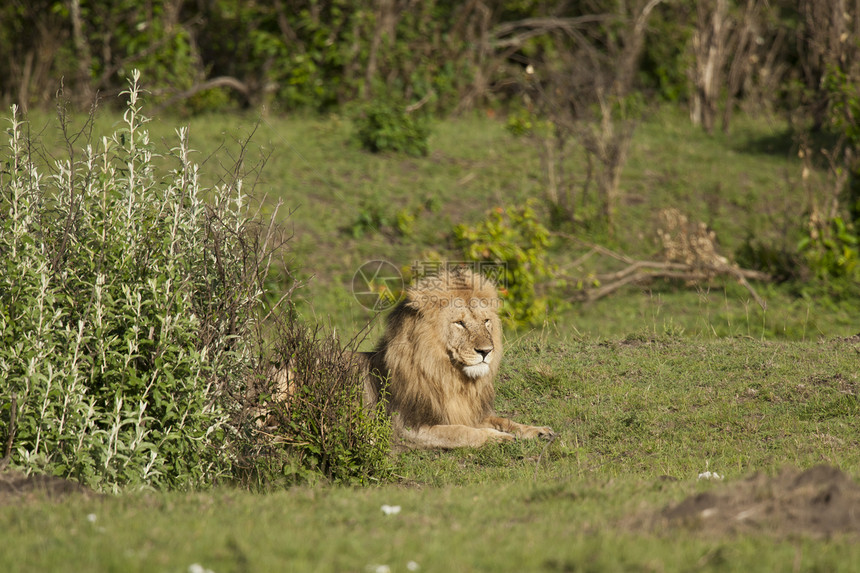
(130, 320)
(317, 55)
(119, 312)
(590, 68)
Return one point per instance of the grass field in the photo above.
(638, 421)
(647, 389)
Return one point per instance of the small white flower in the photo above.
(413, 566)
(390, 509)
(198, 568)
(530, 69)
(710, 475)
(378, 569)
(91, 517)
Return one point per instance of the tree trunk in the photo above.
(82, 51)
(385, 13)
(742, 46)
(709, 43)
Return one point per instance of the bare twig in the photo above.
(600, 249)
(542, 452)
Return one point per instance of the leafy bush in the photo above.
(844, 91)
(371, 217)
(307, 414)
(514, 238)
(386, 126)
(520, 122)
(832, 249)
(125, 302)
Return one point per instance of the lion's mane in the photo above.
(411, 365)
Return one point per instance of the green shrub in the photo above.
(513, 237)
(131, 332)
(125, 304)
(308, 417)
(520, 123)
(386, 126)
(845, 109)
(372, 216)
(832, 249)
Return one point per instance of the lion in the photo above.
(436, 362)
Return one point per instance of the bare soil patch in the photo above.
(820, 502)
(16, 487)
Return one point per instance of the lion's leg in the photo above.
(519, 430)
(450, 436)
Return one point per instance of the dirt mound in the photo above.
(16, 487)
(821, 501)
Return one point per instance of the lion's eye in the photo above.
(487, 323)
(460, 323)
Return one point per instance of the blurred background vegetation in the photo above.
(797, 56)
(573, 80)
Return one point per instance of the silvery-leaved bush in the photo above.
(122, 287)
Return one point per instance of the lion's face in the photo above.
(471, 334)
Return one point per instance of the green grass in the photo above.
(562, 527)
(638, 420)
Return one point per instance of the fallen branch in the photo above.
(643, 271)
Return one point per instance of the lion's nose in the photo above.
(484, 352)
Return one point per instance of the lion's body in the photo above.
(436, 363)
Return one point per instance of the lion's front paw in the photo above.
(495, 436)
(544, 432)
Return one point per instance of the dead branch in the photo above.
(645, 271)
(219, 82)
(417, 105)
(528, 28)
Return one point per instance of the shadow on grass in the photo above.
(786, 142)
